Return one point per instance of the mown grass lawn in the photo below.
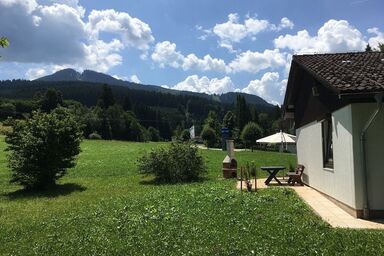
(103, 207)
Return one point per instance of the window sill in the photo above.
(328, 169)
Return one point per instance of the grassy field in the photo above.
(103, 207)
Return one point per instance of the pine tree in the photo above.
(213, 122)
(243, 113)
(106, 98)
(229, 120)
(51, 100)
(381, 47)
(127, 105)
(255, 115)
(106, 131)
(368, 48)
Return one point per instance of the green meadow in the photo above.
(104, 207)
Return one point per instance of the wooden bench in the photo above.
(296, 175)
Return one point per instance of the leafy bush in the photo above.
(94, 136)
(185, 135)
(179, 162)
(42, 148)
(209, 136)
(153, 134)
(4, 129)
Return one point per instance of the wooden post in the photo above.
(255, 178)
(241, 178)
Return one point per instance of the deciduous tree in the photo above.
(251, 133)
(42, 148)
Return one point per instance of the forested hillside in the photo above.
(168, 112)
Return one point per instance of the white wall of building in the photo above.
(338, 182)
(375, 155)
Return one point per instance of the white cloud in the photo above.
(269, 87)
(205, 85)
(135, 79)
(26, 5)
(378, 38)
(40, 71)
(165, 54)
(285, 23)
(57, 33)
(101, 56)
(133, 32)
(333, 36)
(254, 62)
(207, 63)
(34, 73)
(233, 31)
(72, 3)
(124, 78)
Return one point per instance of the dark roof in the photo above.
(346, 72)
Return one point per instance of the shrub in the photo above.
(251, 133)
(185, 135)
(42, 148)
(153, 134)
(94, 136)
(179, 162)
(209, 136)
(5, 128)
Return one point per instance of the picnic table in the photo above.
(272, 170)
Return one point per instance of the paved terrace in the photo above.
(325, 208)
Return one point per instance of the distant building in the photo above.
(335, 101)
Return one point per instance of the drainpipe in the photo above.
(379, 100)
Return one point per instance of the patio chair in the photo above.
(296, 175)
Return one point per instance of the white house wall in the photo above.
(339, 181)
(374, 152)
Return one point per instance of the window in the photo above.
(326, 127)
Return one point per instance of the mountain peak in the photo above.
(67, 74)
(70, 74)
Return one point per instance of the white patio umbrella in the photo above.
(280, 137)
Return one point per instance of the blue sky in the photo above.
(208, 46)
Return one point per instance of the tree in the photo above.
(42, 148)
(242, 112)
(106, 131)
(212, 121)
(4, 42)
(51, 100)
(7, 109)
(127, 105)
(265, 122)
(368, 48)
(229, 120)
(185, 135)
(381, 47)
(106, 98)
(255, 115)
(154, 134)
(251, 133)
(209, 136)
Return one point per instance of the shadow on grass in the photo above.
(54, 191)
(154, 182)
